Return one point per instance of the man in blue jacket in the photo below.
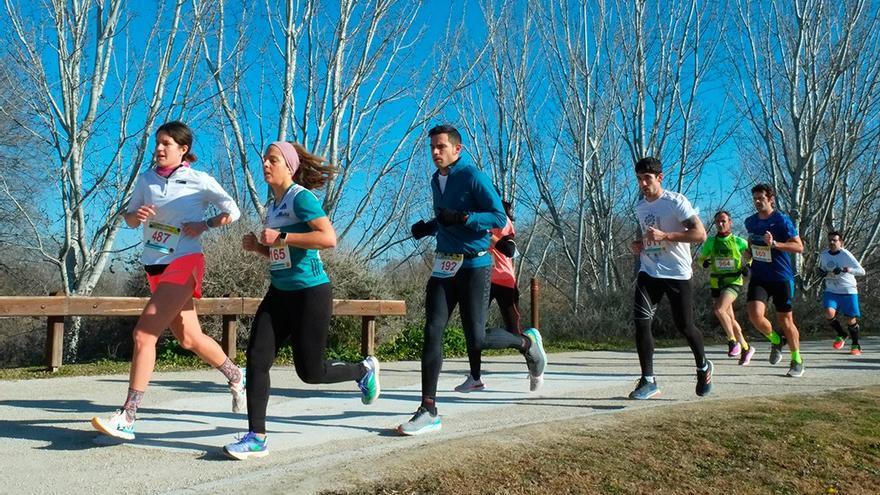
(466, 206)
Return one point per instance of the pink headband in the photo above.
(291, 157)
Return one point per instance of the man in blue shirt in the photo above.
(466, 206)
(772, 237)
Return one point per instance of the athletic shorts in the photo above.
(733, 289)
(178, 273)
(782, 293)
(848, 304)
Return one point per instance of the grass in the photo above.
(825, 443)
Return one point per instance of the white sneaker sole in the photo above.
(100, 425)
(376, 378)
(420, 431)
(535, 383)
(243, 456)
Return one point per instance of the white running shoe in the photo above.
(116, 426)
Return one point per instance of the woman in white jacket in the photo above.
(171, 201)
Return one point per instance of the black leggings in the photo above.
(469, 288)
(649, 292)
(508, 302)
(303, 316)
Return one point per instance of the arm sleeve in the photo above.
(491, 212)
(137, 196)
(218, 197)
(307, 207)
(855, 267)
(684, 209)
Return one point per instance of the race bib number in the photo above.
(725, 263)
(654, 247)
(447, 265)
(279, 257)
(762, 253)
(161, 237)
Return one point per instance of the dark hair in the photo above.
(508, 209)
(722, 212)
(650, 165)
(764, 188)
(835, 233)
(313, 171)
(181, 134)
(452, 132)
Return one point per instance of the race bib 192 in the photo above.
(447, 265)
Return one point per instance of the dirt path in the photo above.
(324, 438)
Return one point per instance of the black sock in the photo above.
(854, 333)
(837, 328)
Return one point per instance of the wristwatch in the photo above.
(282, 238)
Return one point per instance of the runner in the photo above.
(299, 302)
(466, 207)
(725, 254)
(668, 224)
(505, 292)
(171, 201)
(840, 269)
(772, 236)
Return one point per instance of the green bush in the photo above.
(407, 345)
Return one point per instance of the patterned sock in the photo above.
(429, 404)
(230, 371)
(854, 333)
(132, 402)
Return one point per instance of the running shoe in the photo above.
(369, 384)
(644, 389)
(116, 426)
(775, 353)
(856, 350)
(704, 379)
(470, 385)
(536, 358)
(247, 446)
(733, 349)
(795, 370)
(535, 382)
(746, 357)
(838, 343)
(421, 422)
(239, 393)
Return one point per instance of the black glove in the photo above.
(745, 270)
(420, 229)
(451, 217)
(822, 273)
(506, 246)
(706, 263)
(837, 270)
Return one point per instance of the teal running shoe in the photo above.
(369, 383)
(247, 446)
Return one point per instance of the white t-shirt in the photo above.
(181, 198)
(842, 283)
(665, 259)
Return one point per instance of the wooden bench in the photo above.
(56, 308)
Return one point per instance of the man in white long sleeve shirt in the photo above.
(840, 269)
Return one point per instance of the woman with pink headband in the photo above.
(299, 302)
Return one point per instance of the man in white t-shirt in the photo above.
(668, 224)
(840, 269)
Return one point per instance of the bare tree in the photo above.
(95, 112)
(808, 88)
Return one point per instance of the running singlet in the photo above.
(502, 268)
(725, 257)
(665, 259)
(181, 198)
(770, 264)
(841, 283)
(292, 268)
